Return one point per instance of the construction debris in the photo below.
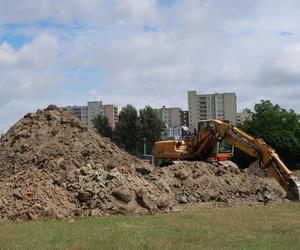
(53, 166)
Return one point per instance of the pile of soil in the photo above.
(255, 169)
(192, 182)
(52, 165)
(297, 173)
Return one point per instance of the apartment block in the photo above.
(88, 113)
(170, 116)
(171, 133)
(94, 109)
(243, 116)
(111, 112)
(80, 111)
(184, 118)
(211, 106)
(174, 119)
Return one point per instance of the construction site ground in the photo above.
(247, 227)
(53, 166)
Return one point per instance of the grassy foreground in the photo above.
(264, 227)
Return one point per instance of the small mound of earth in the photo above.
(53, 166)
(192, 182)
(255, 169)
(297, 173)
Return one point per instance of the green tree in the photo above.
(102, 125)
(127, 129)
(279, 128)
(151, 128)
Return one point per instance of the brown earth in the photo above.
(51, 165)
(297, 173)
(255, 169)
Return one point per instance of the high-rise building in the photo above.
(184, 117)
(170, 116)
(211, 106)
(243, 116)
(111, 112)
(88, 113)
(94, 109)
(174, 119)
(80, 111)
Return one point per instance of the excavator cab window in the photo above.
(224, 147)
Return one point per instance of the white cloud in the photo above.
(100, 48)
(289, 60)
(94, 12)
(28, 77)
(7, 55)
(136, 11)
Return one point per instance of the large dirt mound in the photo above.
(51, 165)
(52, 139)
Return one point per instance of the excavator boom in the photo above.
(216, 131)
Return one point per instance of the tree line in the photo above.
(133, 129)
(280, 128)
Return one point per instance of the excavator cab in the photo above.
(223, 151)
(214, 149)
(225, 148)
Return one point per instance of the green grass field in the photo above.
(264, 227)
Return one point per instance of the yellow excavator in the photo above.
(214, 140)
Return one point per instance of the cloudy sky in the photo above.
(146, 52)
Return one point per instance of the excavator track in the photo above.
(294, 190)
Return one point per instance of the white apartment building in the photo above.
(243, 116)
(80, 111)
(88, 113)
(170, 116)
(174, 119)
(171, 133)
(211, 106)
(94, 109)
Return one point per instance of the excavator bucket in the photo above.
(294, 190)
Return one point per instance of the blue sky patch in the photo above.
(16, 41)
(48, 23)
(166, 3)
(285, 33)
(17, 35)
(148, 28)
